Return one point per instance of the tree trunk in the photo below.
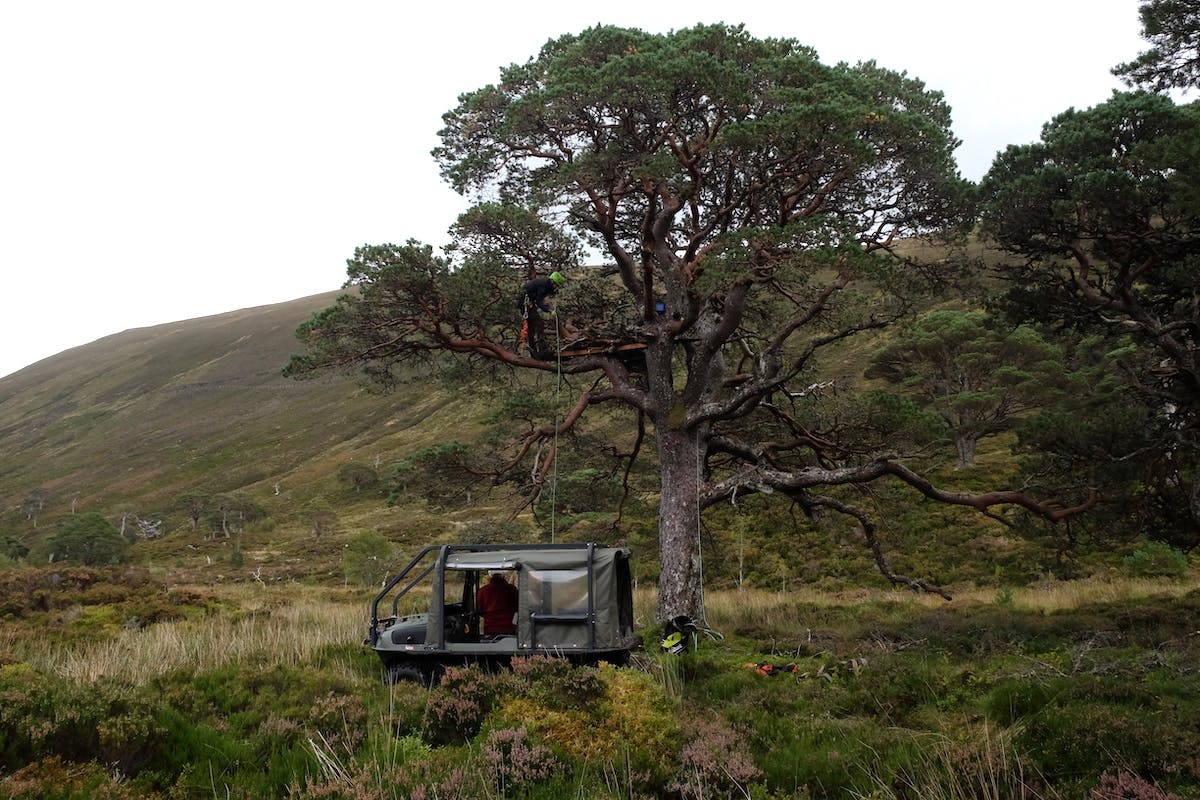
(679, 583)
(966, 451)
(1194, 504)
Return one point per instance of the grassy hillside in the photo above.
(131, 422)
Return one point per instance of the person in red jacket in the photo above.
(497, 602)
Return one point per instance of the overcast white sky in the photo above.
(162, 160)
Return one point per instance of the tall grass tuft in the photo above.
(988, 768)
(286, 635)
(764, 609)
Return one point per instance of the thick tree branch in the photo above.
(548, 436)
(765, 480)
(630, 460)
(772, 378)
(868, 529)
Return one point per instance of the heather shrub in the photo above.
(406, 712)
(339, 719)
(458, 705)
(897, 685)
(355, 782)
(188, 741)
(41, 715)
(1068, 693)
(515, 761)
(51, 779)
(91, 623)
(1152, 622)
(288, 690)
(555, 683)
(443, 774)
(83, 604)
(260, 715)
(365, 782)
(35, 589)
(1104, 708)
(1073, 740)
(128, 729)
(715, 762)
(1126, 786)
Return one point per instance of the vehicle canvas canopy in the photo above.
(562, 602)
(573, 599)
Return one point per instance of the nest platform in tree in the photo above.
(597, 346)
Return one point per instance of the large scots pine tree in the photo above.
(748, 203)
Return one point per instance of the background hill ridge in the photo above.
(133, 420)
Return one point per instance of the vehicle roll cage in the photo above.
(444, 552)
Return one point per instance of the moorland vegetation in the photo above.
(921, 456)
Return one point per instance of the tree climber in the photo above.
(538, 295)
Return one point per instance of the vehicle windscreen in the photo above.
(558, 591)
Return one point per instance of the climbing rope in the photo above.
(557, 408)
(701, 626)
(699, 544)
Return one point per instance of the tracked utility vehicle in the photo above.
(572, 600)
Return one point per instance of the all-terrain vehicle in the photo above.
(572, 600)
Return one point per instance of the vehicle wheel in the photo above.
(406, 672)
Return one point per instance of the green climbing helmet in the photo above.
(558, 278)
(673, 643)
(677, 634)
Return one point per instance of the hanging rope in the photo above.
(702, 625)
(557, 405)
(699, 544)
